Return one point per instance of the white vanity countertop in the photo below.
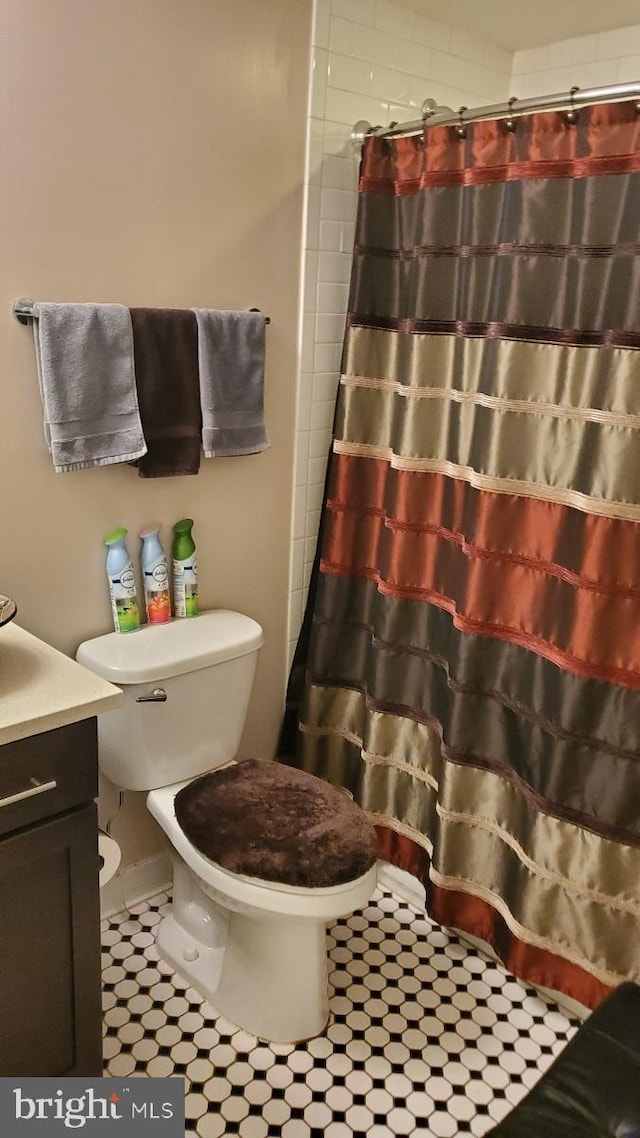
(41, 688)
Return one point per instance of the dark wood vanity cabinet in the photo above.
(50, 1003)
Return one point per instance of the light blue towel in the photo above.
(231, 350)
(84, 354)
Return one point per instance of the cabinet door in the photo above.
(50, 1005)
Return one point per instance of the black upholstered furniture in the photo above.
(592, 1090)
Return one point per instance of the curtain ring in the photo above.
(571, 116)
(510, 122)
(461, 129)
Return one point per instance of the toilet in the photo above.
(263, 855)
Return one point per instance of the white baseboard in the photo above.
(135, 883)
(402, 884)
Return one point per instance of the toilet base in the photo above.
(265, 973)
(199, 963)
(274, 979)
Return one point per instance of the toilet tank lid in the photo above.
(159, 651)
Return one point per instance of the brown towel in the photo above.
(165, 348)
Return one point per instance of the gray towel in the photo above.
(85, 369)
(231, 349)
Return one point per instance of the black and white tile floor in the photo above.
(426, 1037)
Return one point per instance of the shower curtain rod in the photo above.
(434, 115)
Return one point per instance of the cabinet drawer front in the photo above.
(48, 773)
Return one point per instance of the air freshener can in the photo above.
(155, 577)
(185, 570)
(122, 583)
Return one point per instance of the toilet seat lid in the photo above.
(265, 820)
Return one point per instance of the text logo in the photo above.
(105, 1106)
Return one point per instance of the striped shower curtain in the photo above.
(473, 666)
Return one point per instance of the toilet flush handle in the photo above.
(158, 695)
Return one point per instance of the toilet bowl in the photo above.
(254, 947)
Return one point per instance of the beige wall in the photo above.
(152, 154)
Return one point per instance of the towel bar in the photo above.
(23, 311)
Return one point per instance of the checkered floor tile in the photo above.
(426, 1037)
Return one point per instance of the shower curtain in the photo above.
(470, 662)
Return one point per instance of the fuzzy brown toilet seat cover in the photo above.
(265, 820)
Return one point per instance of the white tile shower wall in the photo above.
(585, 61)
(375, 60)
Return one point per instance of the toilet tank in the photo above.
(204, 666)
